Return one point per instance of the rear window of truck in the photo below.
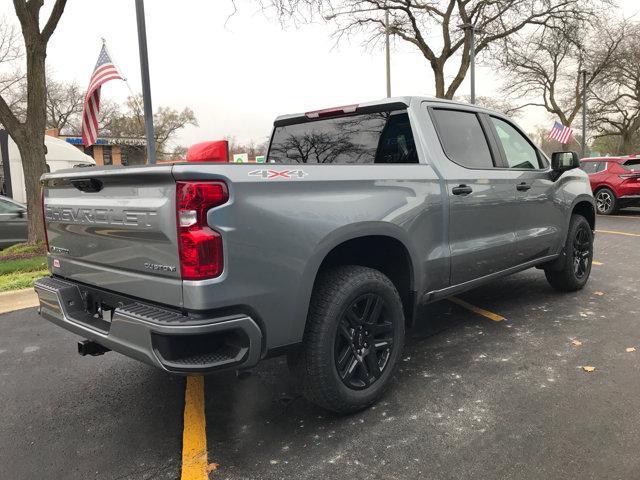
(383, 137)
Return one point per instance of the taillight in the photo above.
(44, 220)
(627, 176)
(200, 247)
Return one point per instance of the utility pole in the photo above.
(146, 84)
(387, 52)
(584, 113)
(472, 56)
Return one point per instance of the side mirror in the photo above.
(22, 214)
(563, 161)
(216, 151)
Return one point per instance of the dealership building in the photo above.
(110, 150)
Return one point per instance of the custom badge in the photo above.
(268, 174)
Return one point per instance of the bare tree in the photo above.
(64, 105)
(167, 122)
(434, 26)
(11, 76)
(28, 133)
(252, 148)
(546, 65)
(616, 107)
(500, 105)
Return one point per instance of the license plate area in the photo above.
(98, 313)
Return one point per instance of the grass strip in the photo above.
(20, 280)
(22, 265)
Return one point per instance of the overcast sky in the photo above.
(237, 77)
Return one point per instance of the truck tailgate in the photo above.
(115, 228)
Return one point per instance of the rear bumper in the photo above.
(154, 335)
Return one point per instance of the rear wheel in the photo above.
(606, 201)
(573, 272)
(353, 339)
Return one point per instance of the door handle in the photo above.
(523, 187)
(462, 190)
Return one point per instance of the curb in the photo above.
(17, 300)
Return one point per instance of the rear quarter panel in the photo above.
(277, 231)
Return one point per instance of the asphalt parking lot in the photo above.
(477, 396)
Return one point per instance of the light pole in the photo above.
(146, 84)
(472, 55)
(387, 51)
(386, 40)
(584, 113)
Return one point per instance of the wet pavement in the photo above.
(474, 398)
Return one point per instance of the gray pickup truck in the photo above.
(361, 214)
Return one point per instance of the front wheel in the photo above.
(353, 339)
(606, 202)
(575, 267)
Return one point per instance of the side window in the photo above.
(519, 152)
(594, 167)
(463, 138)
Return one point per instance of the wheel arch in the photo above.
(587, 209)
(604, 185)
(383, 247)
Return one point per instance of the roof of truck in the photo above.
(397, 102)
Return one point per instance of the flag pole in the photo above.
(146, 84)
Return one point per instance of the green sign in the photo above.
(261, 159)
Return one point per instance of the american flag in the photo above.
(560, 133)
(104, 71)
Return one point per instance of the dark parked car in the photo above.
(13, 222)
(615, 182)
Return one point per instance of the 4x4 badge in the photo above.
(268, 174)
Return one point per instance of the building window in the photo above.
(106, 155)
(132, 155)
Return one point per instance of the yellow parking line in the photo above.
(616, 232)
(194, 436)
(595, 262)
(480, 311)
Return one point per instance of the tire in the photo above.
(572, 273)
(355, 322)
(606, 201)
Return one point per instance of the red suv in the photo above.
(615, 182)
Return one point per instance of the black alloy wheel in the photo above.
(581, 251)
(570, 272)
(364, 342)
(353, 339)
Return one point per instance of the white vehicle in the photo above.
(60, 155)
